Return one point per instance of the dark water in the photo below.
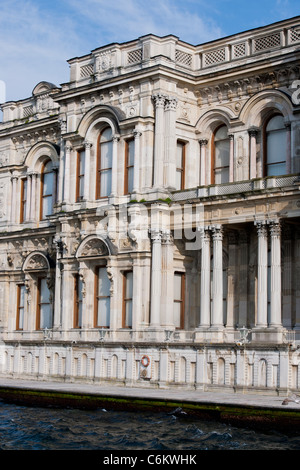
(26, 428)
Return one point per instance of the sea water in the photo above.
(33, 428)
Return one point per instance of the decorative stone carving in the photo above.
(37, 262)
(94, 247)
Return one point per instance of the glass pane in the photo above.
(45, 318)
(106, 135)
(106, 155)
(222, 176)
(276, 122)
(179, 155)
(47, 206)
(44, 292)
(221, 133)
(177, 286)
(103, 312)
(177, 314)
(130, 180)
(276, 169)
(130, 153)
(80, 314)
(103, 283)
(105, 183)
(22, 296)
(81, 162)
(222, 153)
(21, 318)
(47, 183)
(128, 314)
(129, 285)
(178, 179)
(276, 142)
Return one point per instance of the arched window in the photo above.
(221, 152)
(104, 164)
(275, 146)
(47, 189)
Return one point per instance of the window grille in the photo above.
(134, 56)
(27, 111)
(86, 70)
(295, 35)
(267, 42)
(239, 50)
(183, 58)
(214, 57)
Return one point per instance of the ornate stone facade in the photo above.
(150, 217)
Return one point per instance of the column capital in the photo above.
(171, 104)
(137, 134)
(217, 232)
(166, 237)
(253, 131)
(159, 99)
(155, 234)
(275, 228)
(261, 228)
(203, 142)
(87, 144)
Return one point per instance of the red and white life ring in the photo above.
(145, 361)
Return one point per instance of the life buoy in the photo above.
(145, 361)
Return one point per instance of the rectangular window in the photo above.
(129, 166)
(102, 298)
(20, 306)
(179, 300)
(180, 165)
(80, 175)
(44, 312)
(77, 301)
(23, 207)
(127, 299)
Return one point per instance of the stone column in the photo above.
(67, 174)
(170, 143)
(253, 136)
(136, 169)
(167, 282)
(217, 285)
(203, 144)
(262, 275)
(155, 278)
(159, 100)
(114, 171)
(275, 317)
(231, 158)
(87, 163)
(205, 280)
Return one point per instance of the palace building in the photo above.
(150, 217)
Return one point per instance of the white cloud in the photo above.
(128, 19)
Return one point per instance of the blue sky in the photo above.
(37, 37)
